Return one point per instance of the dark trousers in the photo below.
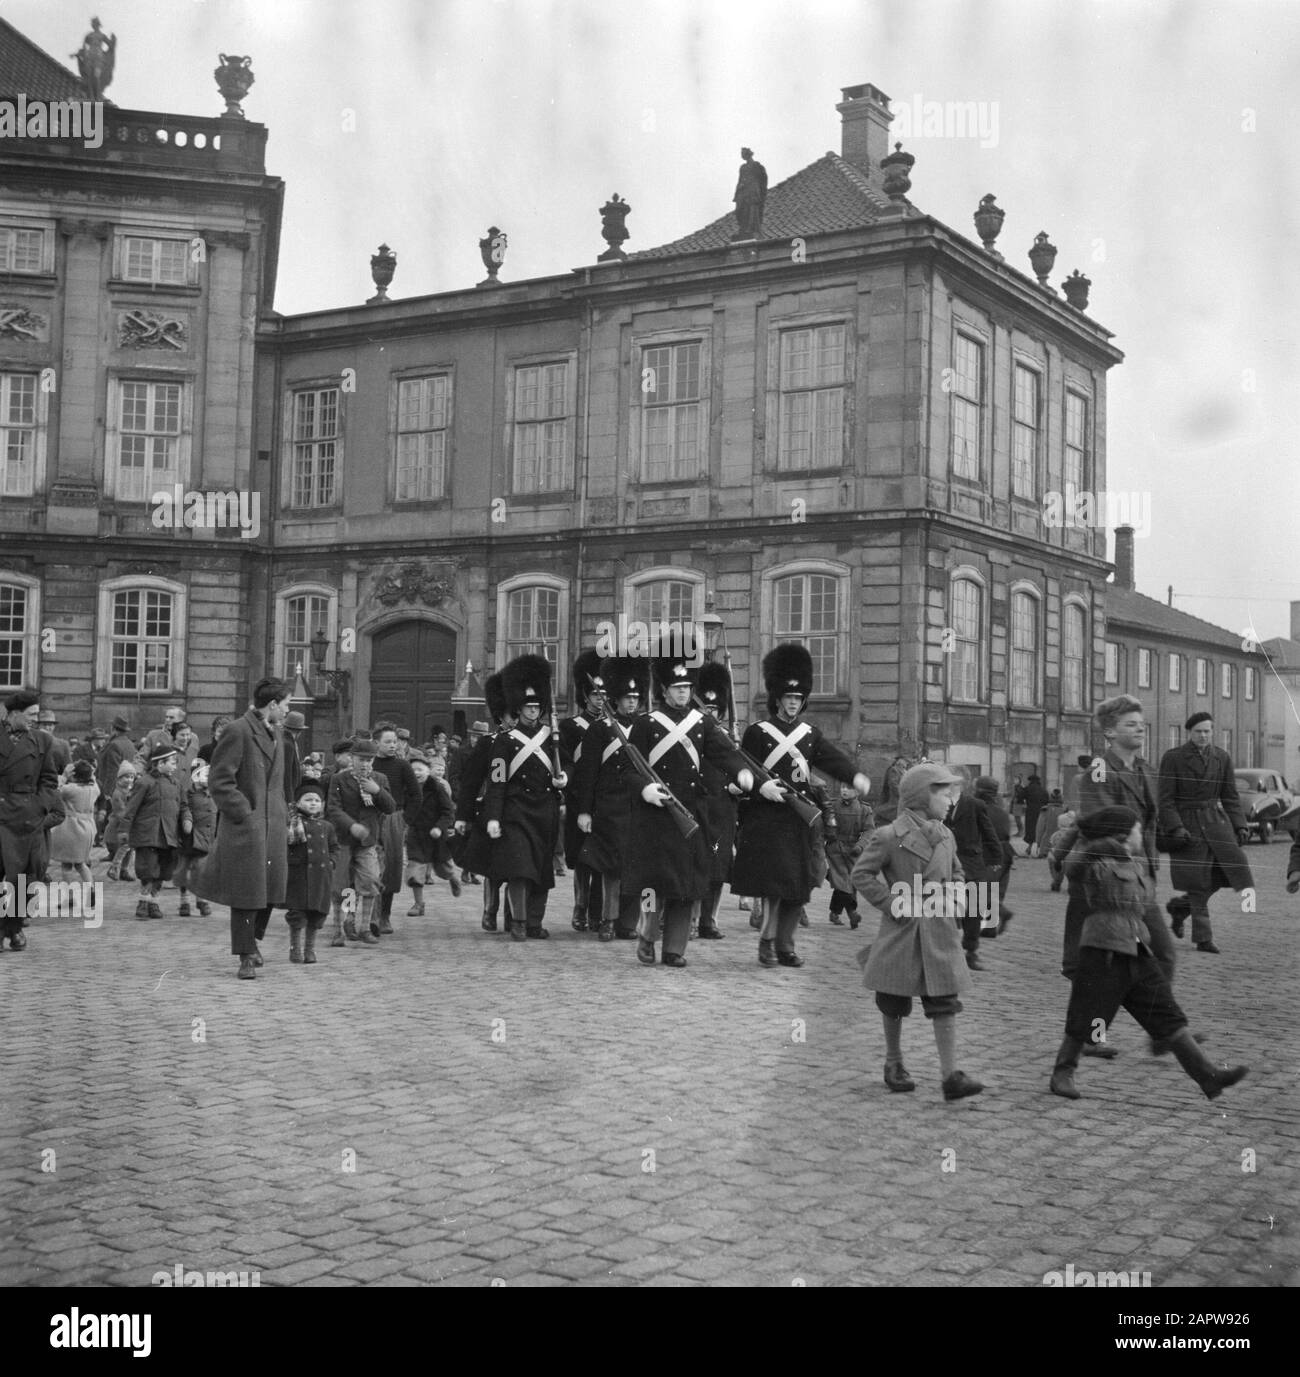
(527, 903)
(305, 917)
(780, 921)
(844, 901)
(247, 928)
(588, 900)
(1076, 910)
(24, 857)
(1107, 980)
(672, 919)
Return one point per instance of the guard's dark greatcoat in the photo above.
(775, 858)
(527, 806)
(658, 857)
(574, 732)
(476, 847)
(1198, 792)
(605, 785)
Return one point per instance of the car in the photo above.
(1265, 796)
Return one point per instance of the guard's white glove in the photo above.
(494, 830)
(772, 791)
(584, 822)
(656, 794)
(561, 780)
(862, 784)
(745, 781)
(461, 829)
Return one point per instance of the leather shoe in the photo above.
(337, 940)
(540, 933)
(622, 936)
(767, 952)
(257, 955)
(1099, 1049)
(606, 932)
(645, 952)
(897, 1079)
(959, 1085)
(246, 970)
(489, 925)
(973, 961)
(368, 939)
(837, 920)
(1208, 947)
(350, 930)
(711, 935)
(385, 928)
(670, 958)
(1062, 1083)
(18, 942)
(789, 958)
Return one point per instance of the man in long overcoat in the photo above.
(29, 806)
(1200, 808)
(248, 866)
(476, 851)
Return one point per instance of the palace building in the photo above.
(846, 431)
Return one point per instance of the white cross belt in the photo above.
(678, 734)
(787, 745)
(533, 745)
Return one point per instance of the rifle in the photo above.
(681, 815)
(556, 768)
(807, 810)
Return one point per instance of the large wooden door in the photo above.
(412, 676)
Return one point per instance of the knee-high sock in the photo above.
(893, 1039)
(945, 1039)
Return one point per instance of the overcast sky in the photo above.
(1150, 141)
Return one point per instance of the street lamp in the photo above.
(715, 634)
(340, 680)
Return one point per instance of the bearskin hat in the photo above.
(787, 669)
(715, 687)
(527, 679)
(670, 670)
(625, 674)
(495, 698)
(587, 676)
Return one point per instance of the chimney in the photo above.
(1295, 621)
(1124, 557)
(865, 129)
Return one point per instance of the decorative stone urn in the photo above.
(1076, 288)
(613, 227)
(382, 266)
(1041, 257)
(234, 77)
(897, 168)
(988, 222)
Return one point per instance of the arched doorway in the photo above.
(413, 676)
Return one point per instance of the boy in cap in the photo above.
(917, 952)
(313, 848)
(426, 837)
(157, 817)
(340, 761)
(1116, 964)
(357, 804)
(197, 842)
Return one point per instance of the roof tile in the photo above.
(28, 70)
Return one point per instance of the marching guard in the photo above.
(720, 802)
(669, 871)
(522, 804)
(605, 786)
(589, 690)
(775, 857)
(471, 823)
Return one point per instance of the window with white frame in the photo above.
(671, 411)
(18, 630)
(20, 414)
(1175, 737)
(1024, 650)
(664, 600)
(150, 430)
(541, 428)
(1225, 739)
(162, 262)
(813, 376)
(303, 615)
(1076, 439)
(1025, 422)
(22, 250)
(1175, 673)
(315, 441)
(144, 640)
(967, 406)
(423, 417)
(1202, 677)
(966, 660)
(806, 610)
(1112, 663)
(1144, 669)
(1249, 746)
(1074, 640)
(533, 623)
(1225, 681)
(1248, 684)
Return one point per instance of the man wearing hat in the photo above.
(775, 856)
(403, 743)
(720, 800)
(48, 723)
(29, 804)
(1201, 815)
(358, 804)
(603, 792)
(165, 735)
(294, 726)
(589, 690)
(672, 873)
(522, 803)
(247, 868)
(471, 824)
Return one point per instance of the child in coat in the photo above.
(71, 840)
(157, 817)
(1115, 965)
(356, 804)
(1058, 849)
(918, 950)
(196, 843)
(848, 820)
(115, 837)
(427, 837)
(313, 849)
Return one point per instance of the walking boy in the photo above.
(156, 817)
(357, 805)
(313, 848)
